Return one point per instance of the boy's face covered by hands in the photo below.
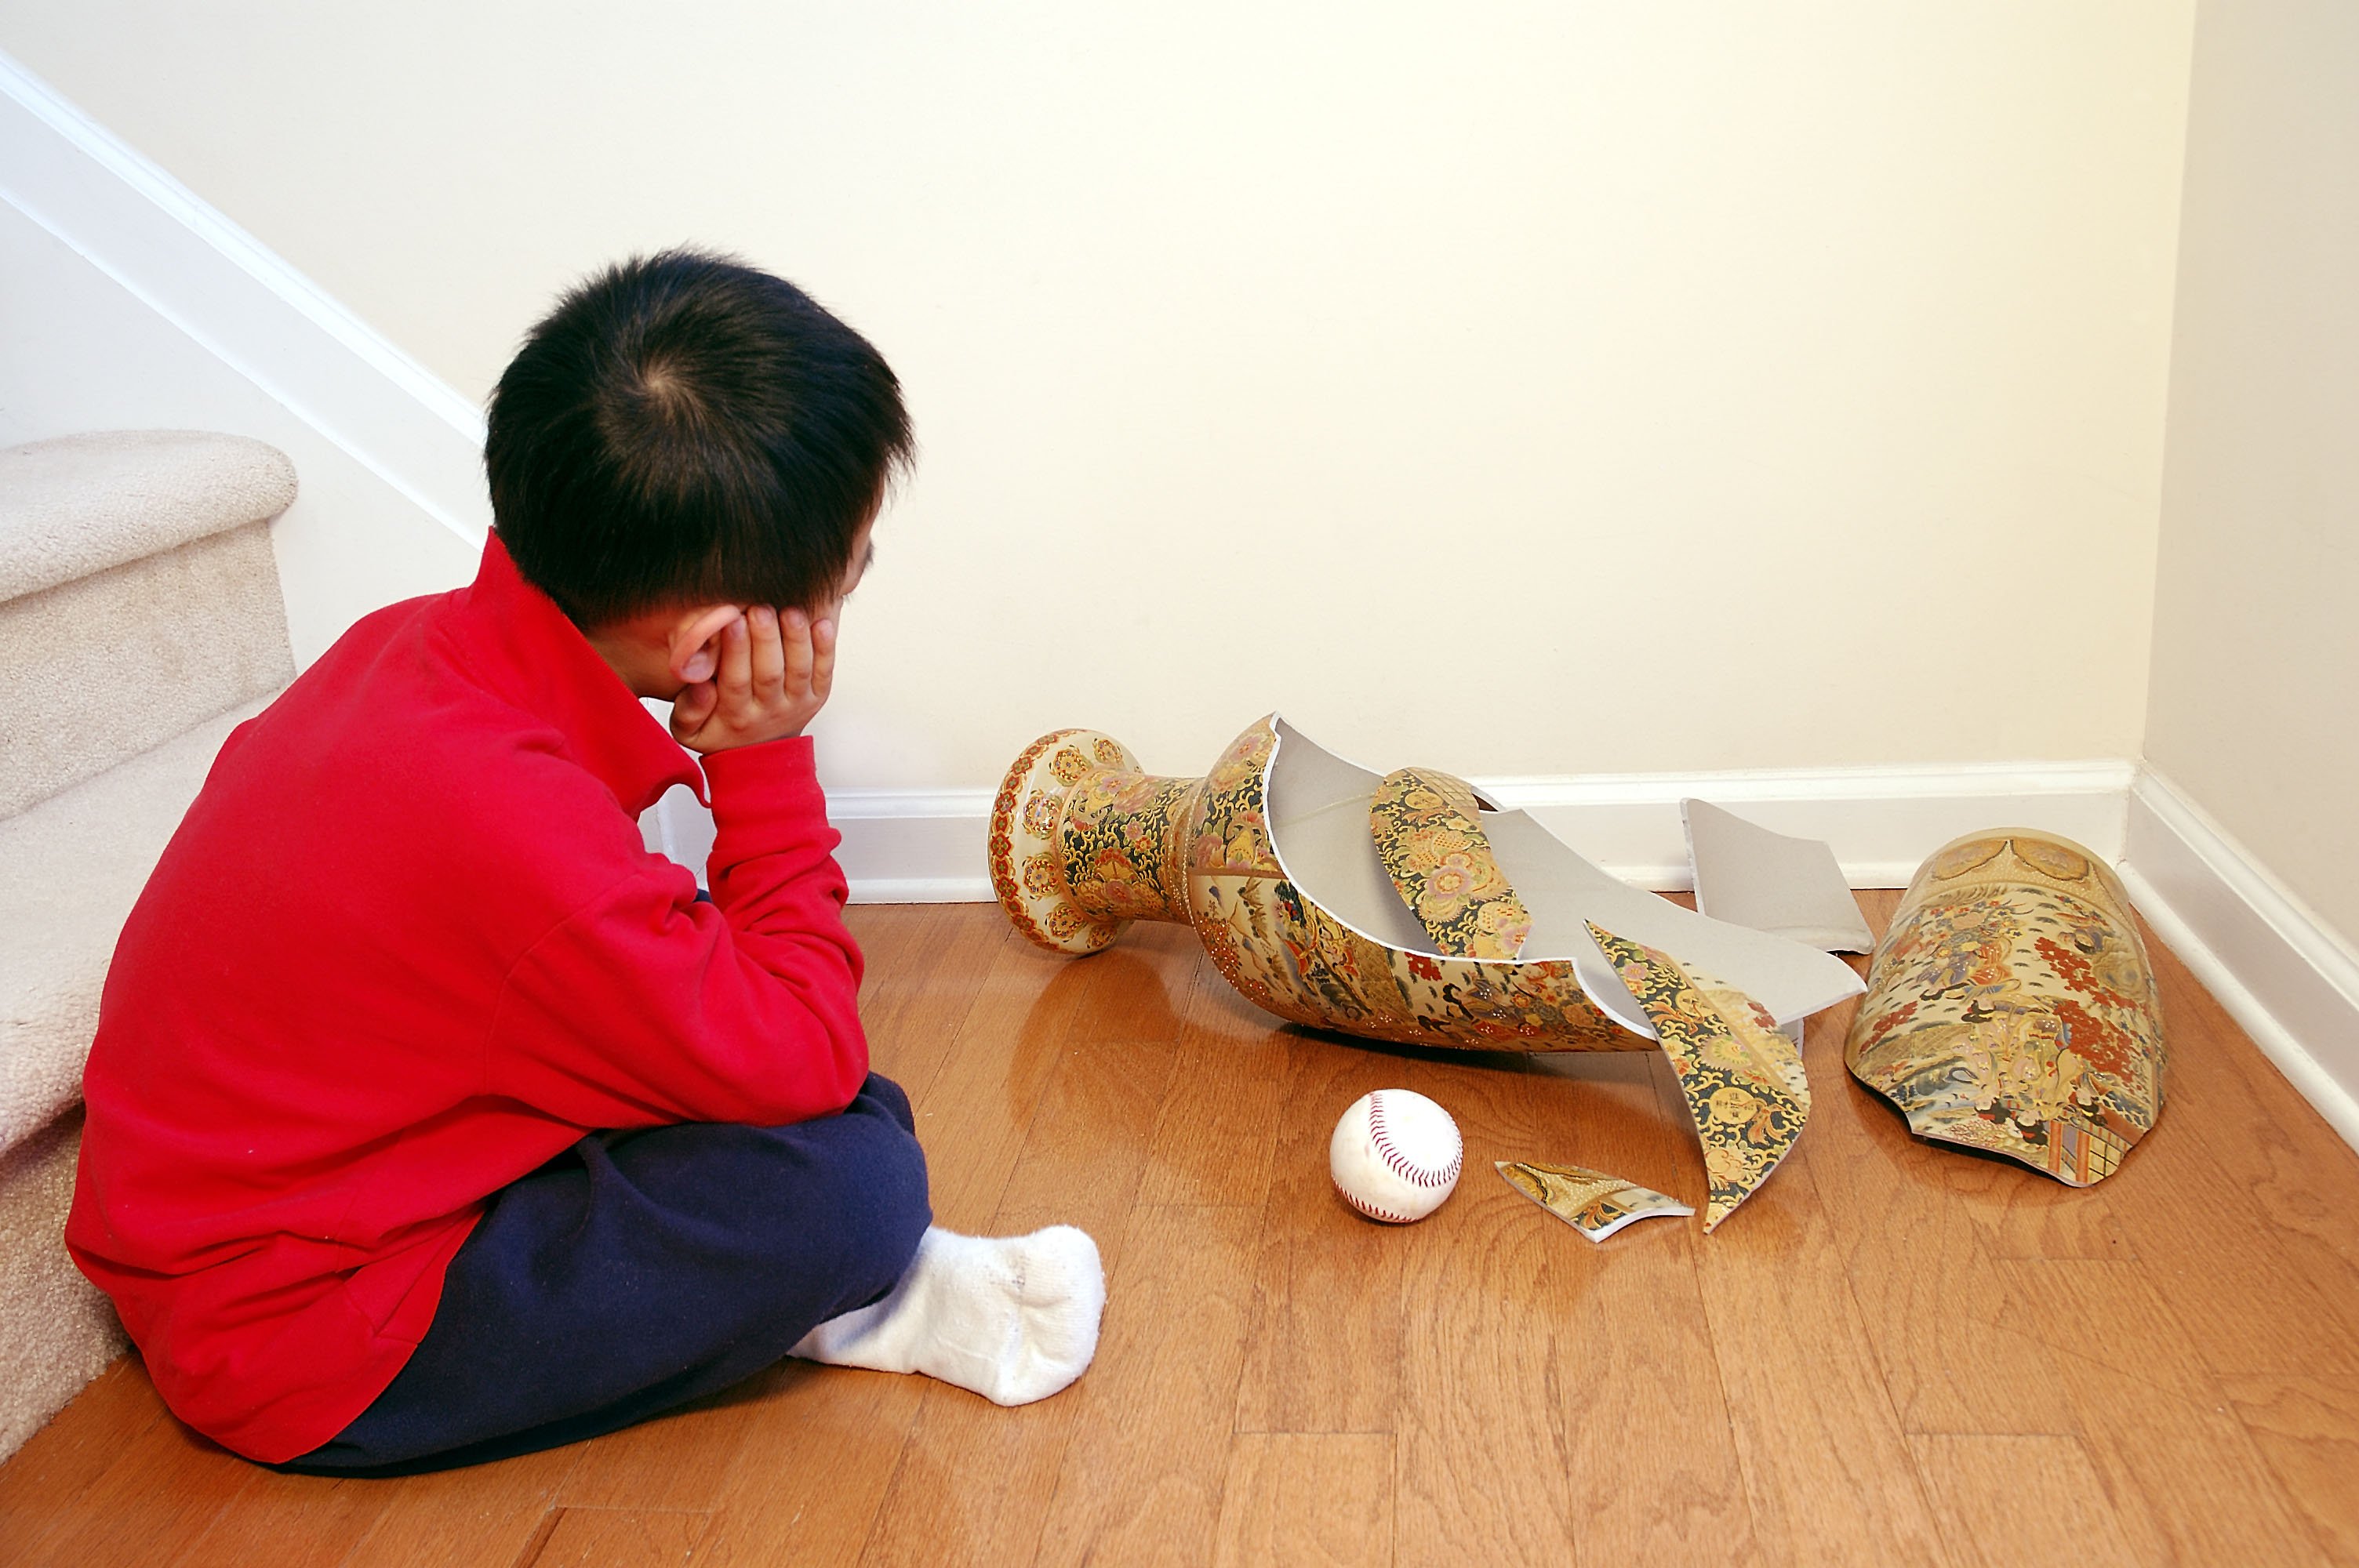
(737, 676)
(763, 675)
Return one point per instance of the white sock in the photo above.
(1012, 1318)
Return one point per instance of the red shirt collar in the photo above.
(516, 639)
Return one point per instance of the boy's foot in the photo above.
(1012, 1318)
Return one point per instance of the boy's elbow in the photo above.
(799, 1051)
(816, 1083)
(848, 1070)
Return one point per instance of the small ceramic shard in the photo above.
(1428, 834)
(1791, 887)
(1743, 1080)
(1591, 1202)
(2011, 1007)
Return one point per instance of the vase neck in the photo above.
(1123, 844)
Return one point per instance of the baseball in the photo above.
(1395, 1155)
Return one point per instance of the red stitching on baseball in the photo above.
(1416, 1175)
(1372, 1211)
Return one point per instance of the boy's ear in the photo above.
(695, 642)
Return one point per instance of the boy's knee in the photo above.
(884, 1162)
(877, 1187)
(902, 1202)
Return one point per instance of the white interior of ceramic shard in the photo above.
(1747, 875)
(1318, 806)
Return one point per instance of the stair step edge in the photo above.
(74, 506)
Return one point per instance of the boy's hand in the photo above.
(773, 675)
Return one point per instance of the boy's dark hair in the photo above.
(684, 429)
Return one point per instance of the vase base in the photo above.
(1026, 870)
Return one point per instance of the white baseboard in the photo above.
(900, 846)
(926, 846)
(2277, 968)
(1880, 822)
(155, 239)
(913, 846)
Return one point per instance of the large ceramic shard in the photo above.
(1591, 1202)
(1743, 1080)
(2011, 1007)
(1750, 876)
(1399, 908)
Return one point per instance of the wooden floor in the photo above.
(1894, 1354)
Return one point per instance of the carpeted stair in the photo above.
(140, 621)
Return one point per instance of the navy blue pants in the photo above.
(639, 1271)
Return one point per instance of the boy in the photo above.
(431, 1119)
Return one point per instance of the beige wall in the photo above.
(1553, 387)
(2256, 620)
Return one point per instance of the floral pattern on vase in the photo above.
(1022, 847)
(1428, 832)
(1742, 1077)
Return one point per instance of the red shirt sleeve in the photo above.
(644, 1006)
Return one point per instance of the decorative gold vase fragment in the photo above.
(1407, 908)
(2011, 1007)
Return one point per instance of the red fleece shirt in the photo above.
(406, 946)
